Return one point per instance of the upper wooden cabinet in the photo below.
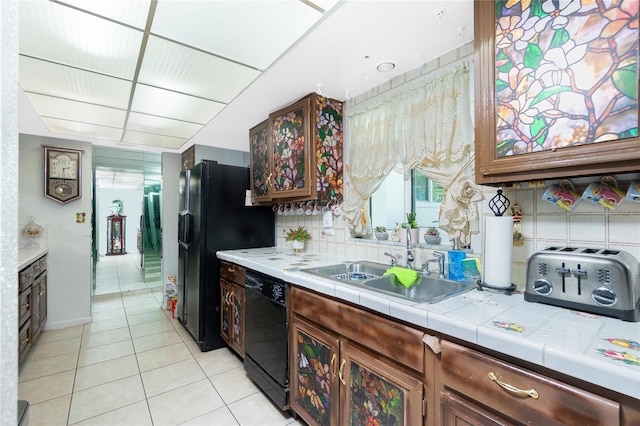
(518, 108)
(297, 153)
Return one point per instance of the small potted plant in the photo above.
(381, 233)
(432, 236)
(297, 236)
(412, 224)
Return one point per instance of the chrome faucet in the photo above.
(439, 257)
(394, 261)
(410, 257)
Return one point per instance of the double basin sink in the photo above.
(370, 275)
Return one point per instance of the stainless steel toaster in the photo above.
(595, 280)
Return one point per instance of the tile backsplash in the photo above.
(543, 225)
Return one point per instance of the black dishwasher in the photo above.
(266, 349)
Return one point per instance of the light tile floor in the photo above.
(135, 365)
(122, 273)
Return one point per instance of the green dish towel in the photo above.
(407, 277)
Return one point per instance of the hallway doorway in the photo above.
(127, 254)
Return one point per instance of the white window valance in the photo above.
(427, 127)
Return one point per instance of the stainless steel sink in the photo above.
(426, 290)
(370, 275)
(360, 271)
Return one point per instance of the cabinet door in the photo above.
(237, 318)
(559, 161)
(43, 298)
(460, 411)
(377, 391)
(261, 167)
(313, 381)
(35, 308)
(292, 155)
(225, 311)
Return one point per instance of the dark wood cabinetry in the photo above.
(32, 303)
(232, 302)
(480, 390)
(613, 156)
(337, 381)
(297, 153)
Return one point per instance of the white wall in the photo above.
(69, 258)
(132, 200)
(8, 210)
(171, 165)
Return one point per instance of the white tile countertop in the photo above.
(600, 350)
(28, 255)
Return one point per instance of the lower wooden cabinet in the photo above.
(232, 300)
(32, 303)
(232, 315)
(481, 390)
(336, 381)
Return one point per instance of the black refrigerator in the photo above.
(213, 217)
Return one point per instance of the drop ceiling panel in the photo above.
(250, 32)
(81, 129)
(62, 35)
(164, 103)
(64, 82)
(181, 69)
(129, 12)
(48, 106)
(152, 139)
(163, 126)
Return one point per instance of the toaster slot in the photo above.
(579, 273)
(564, 272)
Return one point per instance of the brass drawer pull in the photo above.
(340, 372)
(532, 393)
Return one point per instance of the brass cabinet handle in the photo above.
(532, 393)
(340, 372)
(36, 267)
(269, 179)
(27, 274)
(25, 305)
(231, 269)
(333, 358)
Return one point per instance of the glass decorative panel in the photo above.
(314, 377)
(373, 399)
(329, 148)
(288, 150)
(566, 74)
(237, 318)
(259, 150)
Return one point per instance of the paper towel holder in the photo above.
(506, 290)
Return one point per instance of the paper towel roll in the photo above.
(498, 244)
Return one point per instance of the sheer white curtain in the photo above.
(426, 126)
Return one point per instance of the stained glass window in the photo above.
(566, 73)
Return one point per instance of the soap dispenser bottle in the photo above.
(455, 257)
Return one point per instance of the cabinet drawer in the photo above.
(24, 342)
(232, 272)
(39, 266)
(396, 341)
(25, 278)
(24, 306)
(467, 372)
